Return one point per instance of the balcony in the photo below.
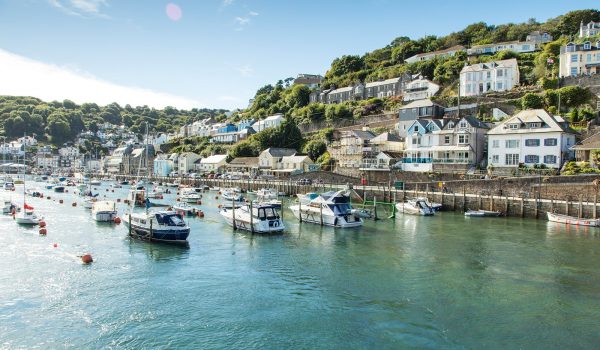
(417, 160)
(452, 161)
(372, 166)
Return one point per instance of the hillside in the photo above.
(389, 62)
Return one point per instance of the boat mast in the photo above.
(24, 169)
(147, 167)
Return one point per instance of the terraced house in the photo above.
(579, 59)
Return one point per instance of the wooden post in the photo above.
(580, 213)
(506, 206)
(479, 201)
(375, 208)
(300, 210)
(130, 224)
(321, 211)
(492, 203)
(251, 218)
(537, 206)
(522, 207)
(595, 202)
(150, 238)
(464, 200)
(567, 206)
(454, 201)
(552, 205)
(233, 215)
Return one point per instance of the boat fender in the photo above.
(201, 214)
(42, 223)
(87, 259)
(117, 220)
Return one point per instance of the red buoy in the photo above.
(42, 223)
(43, 231)
(219, 192)
(219, 206)
(55, 245)
(201, 214)
(87, 259)
(117, 220)
(199, 202)
(74, 204)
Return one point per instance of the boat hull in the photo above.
(242, 222)
(571, 220)
(104, 216)
(314, 217)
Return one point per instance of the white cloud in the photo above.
(25, 77)
(80, 7)
(245, 20)
(245, 70)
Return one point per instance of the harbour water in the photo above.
(412, 282)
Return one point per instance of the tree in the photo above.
(569, 22)
(344, 65)
(574, 115)
(58, 128)
(315, 149)
(532, 101)
(405, 50)
(246, 148)
(298, 96)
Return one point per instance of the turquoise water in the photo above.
(442, 282)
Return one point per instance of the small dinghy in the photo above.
(572, 220)
(482, 213)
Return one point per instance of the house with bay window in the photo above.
(445, 145)
(531, 137)
(481, 78)
(579, 59)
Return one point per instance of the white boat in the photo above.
(189, 195)
(137, 195)
(183, 207)
(266, 194)
(104, 211)
(8, 206)
(262, 218)
(572, 220)
(330, 209)
(435, 206)
(415, 207)
(88, 202)
(27, 217)
(482, 213)
(161, 226)
(9, 186)
(230, 195)
(95, 182)
(274, 202)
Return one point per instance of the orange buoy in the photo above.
(43, 231)
(74, 204)
(42, 223)
(117, 220)
(219, 192)
(87, 259)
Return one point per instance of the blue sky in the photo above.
(219, 52)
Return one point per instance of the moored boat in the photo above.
(259, 219)
(415, 207)
(59, 188)
(9, 186)
(329, 209)
(572, 220)
(104, 211)
(160, 226)
(185, 208)
(27, 217)
(482, 213)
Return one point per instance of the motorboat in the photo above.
(95, 182)
(231, 195)
(34, 192)
(273, 202)
(262, 218)
(8, 207)
(189, 195)
(27, 217)
(435, 206)
(137, 195)
(160, 226)
(416, 206)
(185, 208)
(482, 213)
(124, 183)
(572, 220)
(330, 209)
(9, 186)
(266, 194)
(59, 188)
(104, 211)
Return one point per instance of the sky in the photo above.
(212, 53)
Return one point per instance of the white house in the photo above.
(215, 163)
(186, 162)
(516, 46)
(539, 37)
(420, 89)
(481, 78)
(269, 159)
(530, 137)
(431, 55)
(28, 141)
(588, 30)
(579, 59)
(69, 152)
(272, 121)
(163, 166)
(295, 164)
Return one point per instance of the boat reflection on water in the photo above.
(158, 252)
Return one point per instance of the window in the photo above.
(574, 58)
(500, 72)
(532, 142)
(447, 139)
(488, 86)
(587, 45)
(511, 159)
(573, 70)
(499, 86)
(535, 125)
(511, 144)
(550, 142)
(488, 75)
(513, 126)
(550, 159)
(462, 125)
(469, 76)
(416, 140)
(495, 159)
(589, 57)
(462, 139)
(496, 144)
(532, 159)
(525, 47)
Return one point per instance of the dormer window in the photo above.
(513, 126)
(570, 47)
(462, 125)
(587, 45)
(535, 125)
